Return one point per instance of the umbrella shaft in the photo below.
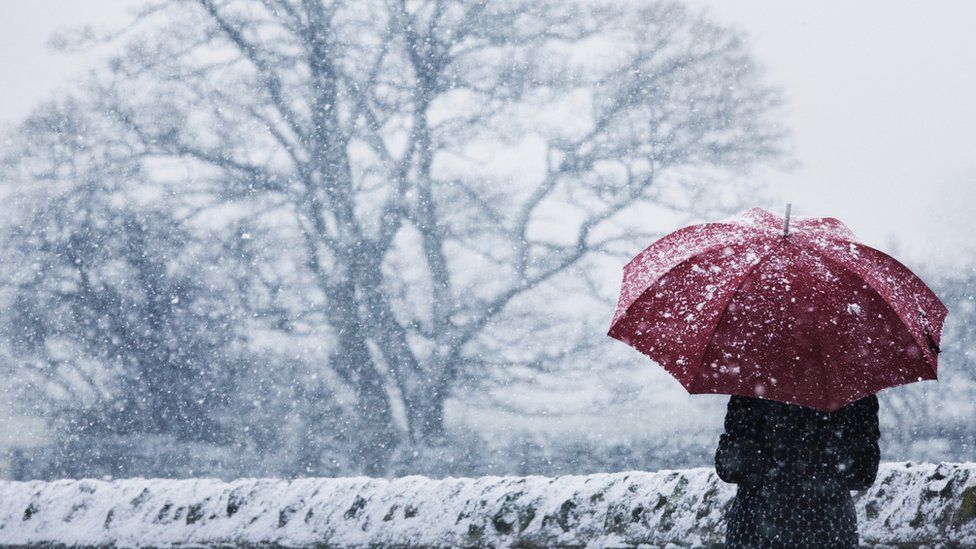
(786, 225)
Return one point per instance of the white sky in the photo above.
(880, 97)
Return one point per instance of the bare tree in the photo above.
(342, 133)
(105, 310)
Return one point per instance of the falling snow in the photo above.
(307, 240)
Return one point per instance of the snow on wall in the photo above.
(909, 504)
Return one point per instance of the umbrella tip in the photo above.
(786, 224)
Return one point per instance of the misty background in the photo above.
(184, 293)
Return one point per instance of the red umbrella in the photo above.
(795, 312)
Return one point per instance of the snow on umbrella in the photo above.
(796, 312)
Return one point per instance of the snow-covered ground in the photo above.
(910, 504)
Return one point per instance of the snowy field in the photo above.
(910, 505)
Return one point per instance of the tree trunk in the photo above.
(425, 413)
(374, 433)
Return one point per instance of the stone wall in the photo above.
(909, 505)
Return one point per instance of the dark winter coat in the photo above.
(795, 468)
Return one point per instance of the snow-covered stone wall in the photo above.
(909, 505)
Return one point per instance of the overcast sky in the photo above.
(880, 98)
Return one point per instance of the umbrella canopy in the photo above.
(805, 315)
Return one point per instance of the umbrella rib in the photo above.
(838, 264)
(687, 259)
(823, 373)
(904, 268)
(650, 285)
(725, 310)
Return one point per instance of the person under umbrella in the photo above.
(795, 468)
(802, 328)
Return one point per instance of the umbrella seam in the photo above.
(833, 261)
(725, 310)
(675, 267)
(700, 226)
(823, 372)
(762, 232)
(887, 257)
